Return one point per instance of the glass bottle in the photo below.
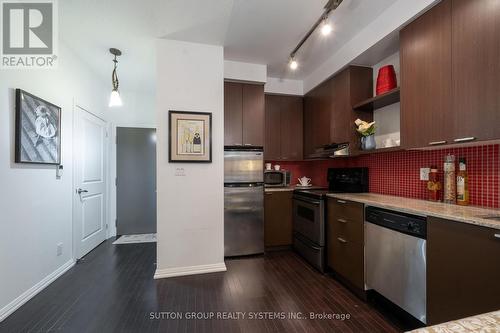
(434, 185)
(450, 182)
(462, 183)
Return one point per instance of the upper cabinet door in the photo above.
(476, 69)
(291, 128)
(233, 116)
(425, 54)
(253, 114)
(272, 146)
(317, 113)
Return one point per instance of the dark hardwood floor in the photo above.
(113, 290)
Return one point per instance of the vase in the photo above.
(368, 142)
(386, 79)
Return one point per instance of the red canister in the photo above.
(386, 79)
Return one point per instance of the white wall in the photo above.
(190, 220)
(284, 86)
(36, 207)
(243, 71)
(390, 20)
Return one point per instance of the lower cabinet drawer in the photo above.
(346, 259)
(349, 210)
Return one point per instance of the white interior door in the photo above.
(90, 182)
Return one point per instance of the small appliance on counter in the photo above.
(277, 178)
(309, 212)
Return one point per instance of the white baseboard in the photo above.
(189, 270)
(30, 293)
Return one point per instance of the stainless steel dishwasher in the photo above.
(395, 258)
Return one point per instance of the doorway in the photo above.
(135, 181)
(90, 181)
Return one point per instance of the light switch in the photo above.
(424, 173)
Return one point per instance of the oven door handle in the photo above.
(309, 201)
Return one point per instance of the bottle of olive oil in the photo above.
(462, 183)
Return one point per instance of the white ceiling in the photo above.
(255, 31)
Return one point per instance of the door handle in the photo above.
(341, 240)
(80, 191)
(435, 143)
(471, 138)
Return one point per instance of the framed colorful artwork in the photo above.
(190, 139)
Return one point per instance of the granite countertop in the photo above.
(488, 322)
(291, 188)
(279, 189)
(466, 214)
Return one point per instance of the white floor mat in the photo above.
(133, 239)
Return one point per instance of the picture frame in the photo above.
(190, 137)
(38, 130)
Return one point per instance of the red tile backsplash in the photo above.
(398, 173)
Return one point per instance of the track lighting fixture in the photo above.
(326, 29)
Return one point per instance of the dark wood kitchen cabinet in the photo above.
(345, 241)
(253, 114)
(233, 114)
(328, 109)
(476, 69)
(351, 86)
(425, 55)
(317, 113)
(449, 74)
(463, 270)
(243, 114)
(284, 128)
(278, 218)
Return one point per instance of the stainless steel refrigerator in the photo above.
(243, 201)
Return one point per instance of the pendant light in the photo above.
(115, 99)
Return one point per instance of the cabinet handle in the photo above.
(341, 240)
(435, 143)
(341, 201)
(497, 235)
(247, 144)
(470, 138)
(342, 220)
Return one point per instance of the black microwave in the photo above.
(277, 178)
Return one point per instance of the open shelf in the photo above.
(381, 150)
(379, 101)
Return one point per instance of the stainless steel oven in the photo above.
(309, 226)
(309, 212)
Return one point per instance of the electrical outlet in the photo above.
(424, 173)
(59, 249)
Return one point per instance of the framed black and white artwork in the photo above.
(190, 139)
(38, 130)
